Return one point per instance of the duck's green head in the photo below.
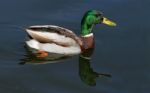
(91, 18)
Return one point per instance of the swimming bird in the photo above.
(56, 41)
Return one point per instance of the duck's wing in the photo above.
(53, 48)
(53, 34)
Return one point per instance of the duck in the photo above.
(57, 42)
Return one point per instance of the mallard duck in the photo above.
(55, 40)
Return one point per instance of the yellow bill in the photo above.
(108, 22)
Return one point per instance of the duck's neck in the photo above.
(87, 36)
(86, 28)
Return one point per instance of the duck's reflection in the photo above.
(86, 72)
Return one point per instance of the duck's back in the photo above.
(53, 34)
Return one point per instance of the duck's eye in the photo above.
(102, 19)
(98, 15)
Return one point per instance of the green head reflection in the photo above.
(86, 72)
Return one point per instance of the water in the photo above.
(122, 51)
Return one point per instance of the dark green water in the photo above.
(122, 51)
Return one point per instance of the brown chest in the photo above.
(88, 42)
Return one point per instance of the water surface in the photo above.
(122, 51)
